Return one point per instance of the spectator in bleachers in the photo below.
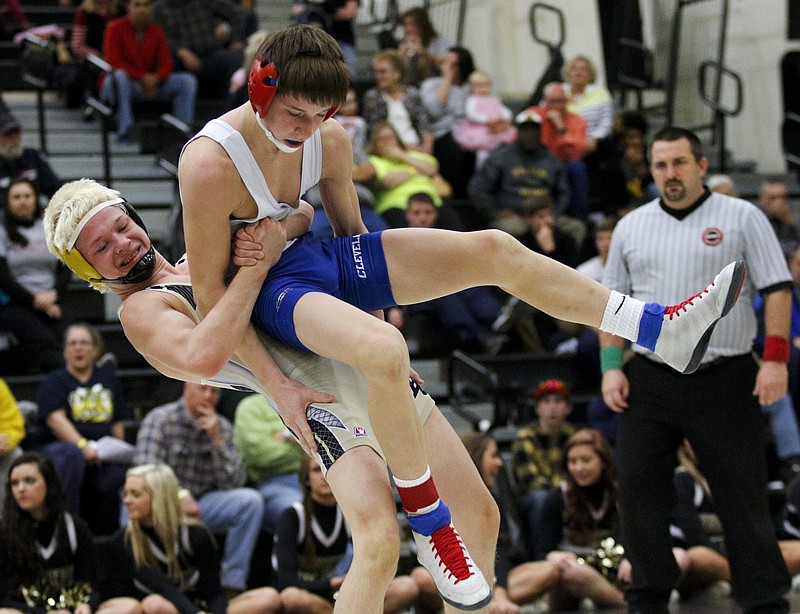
(13, 19)
(138, 51)
(466, 316)
(599, 415)
(237, 89)
(398, 104)
(201, 42)
(47, 551)
(782, 414)
(564, 135)
(544, 236)
(483, 451)
(577, 521)
(516, 173)
(344, 15)
(620, 180)
(445, 97)
(12, 430)
(422, 46)
(31, 282)
(171, 557)
(722, 184)
(312, 552)
(399, 173)
(355, 124)
(588, 99)
(312, 12)
(271, 456)
(363, 172)
(198, 444)
(595, 266)
(696, 527)
(88, 27)
(81, 403)
(556, 239)
(487, 121)
(25, 162)
(774, 201)
(794, 332)
(249, 17)
(537, 454)
(336, 18)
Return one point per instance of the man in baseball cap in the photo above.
(537, 454)
(18, 161)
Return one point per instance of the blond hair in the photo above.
(589, 65)
(67, 208)
(167, 518)
(479, 76)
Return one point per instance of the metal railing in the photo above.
(448, 16)
(712, 75)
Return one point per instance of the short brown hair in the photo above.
(309, 62)
(394, 57)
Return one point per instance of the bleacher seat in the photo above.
(505, 379)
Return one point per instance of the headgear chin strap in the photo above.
(279, 144)
(139, 272)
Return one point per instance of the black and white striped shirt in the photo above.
(666, 257)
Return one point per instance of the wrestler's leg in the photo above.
(424, 264)
(472, 506)
(334, 329)
(360, 482)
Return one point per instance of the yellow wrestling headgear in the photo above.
(81, 267)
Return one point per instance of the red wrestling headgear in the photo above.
(262, 85)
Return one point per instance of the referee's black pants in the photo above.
(715, 409)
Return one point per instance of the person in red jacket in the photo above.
(138, 51)
(564, 135)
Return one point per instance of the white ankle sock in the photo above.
(622, 316)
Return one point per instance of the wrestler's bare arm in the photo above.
(169, 339)
(336, 183)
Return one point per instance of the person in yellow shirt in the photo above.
(12, 430)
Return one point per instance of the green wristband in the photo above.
(610, 358)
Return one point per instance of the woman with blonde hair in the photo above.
(591, 101)
(174, 557)
(400, 104)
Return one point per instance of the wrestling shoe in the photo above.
(458, 580)
(679, 334)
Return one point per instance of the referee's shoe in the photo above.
(679, 334)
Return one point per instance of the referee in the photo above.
(665, 249)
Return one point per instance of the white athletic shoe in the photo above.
(687, 327)
(458, 580)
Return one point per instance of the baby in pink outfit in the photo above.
(487, 124)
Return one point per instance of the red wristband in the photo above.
(776, 349)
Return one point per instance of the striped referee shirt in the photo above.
(659, 255)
